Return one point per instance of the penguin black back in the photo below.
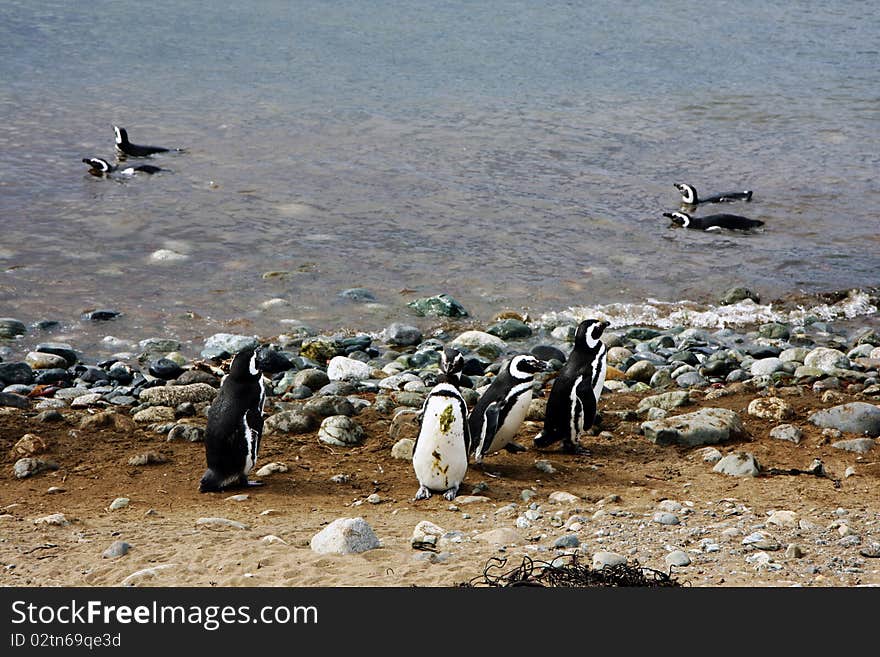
(728, 221)
(125, 147)
(571, 405)
(235, 425)
(689, 195)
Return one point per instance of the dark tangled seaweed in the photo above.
(568, 571)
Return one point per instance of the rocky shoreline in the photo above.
(344, 393)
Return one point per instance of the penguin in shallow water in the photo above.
(713, 221)
(125, 147)
(689, 195)
(235, 425)
(573, 400)
(501, 409)
(100, 167)
(440, 455)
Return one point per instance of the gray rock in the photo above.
(766, 366)
(220, 523)
(293, 421)
(329, 405)
(11, 328)
(345, 536)
(358, 295)
(228, 343)
(44, 361)
(116, 549)
(641, 370)
(665, 401)
(545, 466)
(691, 380)
(737, 294)
(441, 305)
(510, 329)
(602, 559)
(481, 343)
(703, 427)
(826, 360)
(12, 373)
(189, 433)
(855, 417)
(401, 335)
(738, 464)
(770, 408)
(13, 400)
(857, 445)
(53, 519)
(153, 415)
(89, 399)
(678, 558)
(190, 377)
(787, 432)
(175, 395)
(30, 466)
(665, 518)
(119, 503)
(761, 541)
(403, 449)
(342, 368)
(147, 458)
(341, 431)
(567, 541)
(155, 346)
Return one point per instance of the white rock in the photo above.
(167, 255)
(783, 519)
(341, 368)
(345, 536)
(54, 519)
(563, 497)
(425, 535)
(271, 468)
(119, 503)
(145, 573)
(610, 559)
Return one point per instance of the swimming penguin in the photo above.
(502, 408)
(235, 425)
(713, 221)
(125, 147)
(440, 455)
(689, 195)
(101, 167)
(571, 406)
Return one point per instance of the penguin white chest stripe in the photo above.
(516, 407)
(599, 368)
(252, 441)
(577, 422)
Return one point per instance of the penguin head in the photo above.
(679, 218)
(525, 365)
(98, 166)
(688, 193)
(451, 366)
(244, 365)
(589, 333)
(121, 135)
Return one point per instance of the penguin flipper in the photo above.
(490, 428)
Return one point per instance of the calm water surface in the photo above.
(516, 155)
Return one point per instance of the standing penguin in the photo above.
(440, 455)
(235, 425)
(502, 408)
(571, 406)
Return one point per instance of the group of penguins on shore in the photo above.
(449, 437)
(683, 217)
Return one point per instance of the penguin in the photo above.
(99, 167)
(235, 425)
(501, 409)
(440, 455)
(125, 147)
(574, 397)
(689, 195)
(713, 221)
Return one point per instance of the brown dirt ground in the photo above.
(94, 470)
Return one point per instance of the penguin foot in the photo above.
(451, 493)
(515, 448)
(542, 441)
(574, 448)
(423, 493)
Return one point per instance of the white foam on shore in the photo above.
(664, 314)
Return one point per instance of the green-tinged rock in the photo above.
(510, 329)
(11, 328)
(706, 426)
(441, 305)
(321, 350)
(666, 401)
(483, 344)
(737, 294)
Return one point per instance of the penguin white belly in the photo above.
(440, 458)
(512, 422)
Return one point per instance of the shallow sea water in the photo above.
(514, 155)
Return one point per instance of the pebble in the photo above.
(761, 541)
(545, 466)
(271, 468)
(567, 541)
(403, 449)
(677, 558)
(241, 497)
(116, 549)
(11, 328)
(563, 497)
(147, 458)
(794, 551)
(738, 464)
(857, 445)
(119, 503)
(220, 523)
(30, 466)
(426, 535)
(787, 432)
(53, 519)
(665, 518)
(770, 408)
(145, 574)
(374, 499)
(603, 558)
